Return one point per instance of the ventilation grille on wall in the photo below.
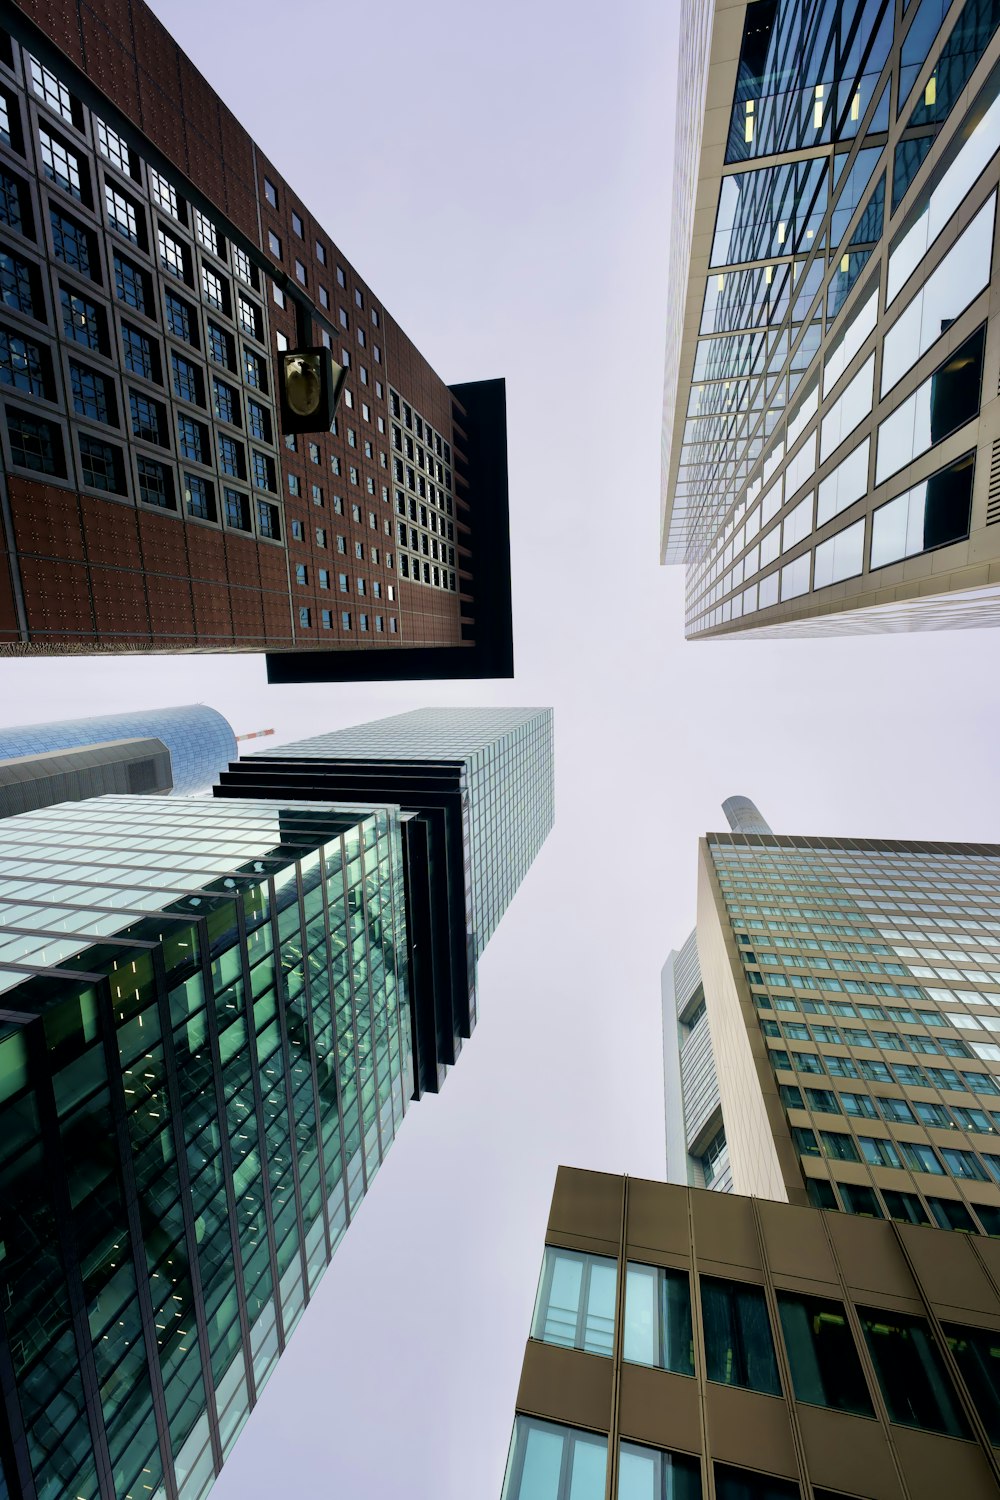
(993, 499)
(142, 776)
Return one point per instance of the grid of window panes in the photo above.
(423, 497)
(155, 343)
(839, 1358)
(241, 1019)
(875, 974)
(812, 314)
(508, 766)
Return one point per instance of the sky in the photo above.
(501, 177)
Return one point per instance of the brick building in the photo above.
(153, 264)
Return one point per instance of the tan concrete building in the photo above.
(690, 1345)
(831, 434)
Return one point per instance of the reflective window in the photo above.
(957, 281)
(795, 577)
(906, 1207)
(931, 514)
(550, 1462)
(850, 408)
(911, 1373)
(940, 204)
(826, 1369)
(649, 1474)
(844, 484)
(658, 1318)
(944, 402)
(977, 1351)
(575, 1306)
(842, 556)
(849, 340)
(739, 1349)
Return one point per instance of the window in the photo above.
(301, 573)
(324, 297)
(741, 1484)
(826, 1370)
(212, 289)
(298, 534)
(293, 484)
(149, 419)
(155, 483)
(92, 395)
(932, 514)
(243, 267)
(326, 618)
(49, 88)
(977, 1352)
(199, 498)
(305, 617)
(323, 578)
(345, 620)
(649, 1474)
(249, 316)
(911, 1372)
(267, 520)
(190, 438)
(220, 346)
(341, 279)
(139, 354)
(877, 1151)
(18, 283)
(320, 537)
(237, 510)
(34, 443)
(253, 370)
(317, 495)
(21, 364)
(274, 244)
(297, 226)
(965, 1164)
(362, 622)
(59, 164)
(171, 253)
(101, 465)
(920, 1158)
(225, 401)
(906, 1207)
(163, 194)
(123, 214)
(739, 1349)
(575, 1306)
(205, 232)
(944, 402)
(300, 272)
(948, 1213)
(263, 471)
(277, 294)
(181, 319)
(186, 378)
(72, 244)
(258, 421)
(231, 459)
(270, 192)
(550, 1462)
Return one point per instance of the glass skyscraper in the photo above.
(213, 1015)
(199, 740)
(205, 1053)
(475, 787)
(830, 405)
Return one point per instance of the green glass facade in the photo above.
(201, 1069)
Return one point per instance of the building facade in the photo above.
(697, 1152)
(199, 740)
(853, 994)
(205, 1053)
(155, 265)
(831, 418)
(119, 766)
(476, 790)
(697, 1346)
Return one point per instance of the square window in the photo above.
(101, 465)
(34, 443)
(92, 395)
(186, 379)
(21, 364)
(139, 354)
(149, 419)
(83, 320)
(72, 243)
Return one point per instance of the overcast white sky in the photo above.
(501, 177)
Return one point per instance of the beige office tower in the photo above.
(831, 432)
